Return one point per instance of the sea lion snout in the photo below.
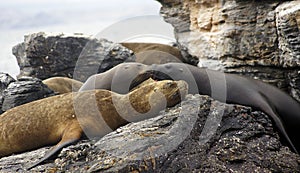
(174, 91)
(180, 93)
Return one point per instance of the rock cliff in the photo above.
(255, 38)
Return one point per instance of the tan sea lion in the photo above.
(229, 88)
(62, 85)
(55, 120)
(154, 53)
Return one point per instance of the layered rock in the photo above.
(200, 135)
(24, 90)
(5, 80)
(44, 56)
(255, 38)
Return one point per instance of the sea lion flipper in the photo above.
(71, 134)
(53, 151)
(281, 128)
(276, 118)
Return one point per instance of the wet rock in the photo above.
(200, 135)
(24, 90)
(43, 56)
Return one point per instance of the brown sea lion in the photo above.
(154, 53)
(63, 85)
(63, 119)
(229, 88)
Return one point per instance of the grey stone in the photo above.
(44, 56)
(24, 90)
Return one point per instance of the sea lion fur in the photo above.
(62, 85)
(154, 53)
(54, 120)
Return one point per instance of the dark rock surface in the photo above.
(22, 91)
(44, 56)
(200, 135)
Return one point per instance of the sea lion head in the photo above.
(158, 94)
(174, 91)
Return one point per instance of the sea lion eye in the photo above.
(175, 95)
(170, 84)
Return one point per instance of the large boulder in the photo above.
(44, 55)
(24, 90)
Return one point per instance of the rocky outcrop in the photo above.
(78, 56)
(255, 38)
(24, 90)
(200, 135)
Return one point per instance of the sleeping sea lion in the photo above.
(65, 118)
(229, 88)
(62, 85)
(154, 53)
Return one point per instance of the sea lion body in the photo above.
(63, 85)
(229, 88)
(115, 79)
(154, 53)
(35, 124)
(56, 120)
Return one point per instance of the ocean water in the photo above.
(90, 17)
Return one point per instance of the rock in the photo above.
(200, 135)
(294, 80)
(287, 23)
(189, 59)
(24, 90)
(44, 56)
(259, 39)
(5, 80)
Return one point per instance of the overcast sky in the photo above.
(21, 17)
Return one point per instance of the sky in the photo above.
(90, 17)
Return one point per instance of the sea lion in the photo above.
(62, 85)
(55, 120)
(283, 109)
(154, 53)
